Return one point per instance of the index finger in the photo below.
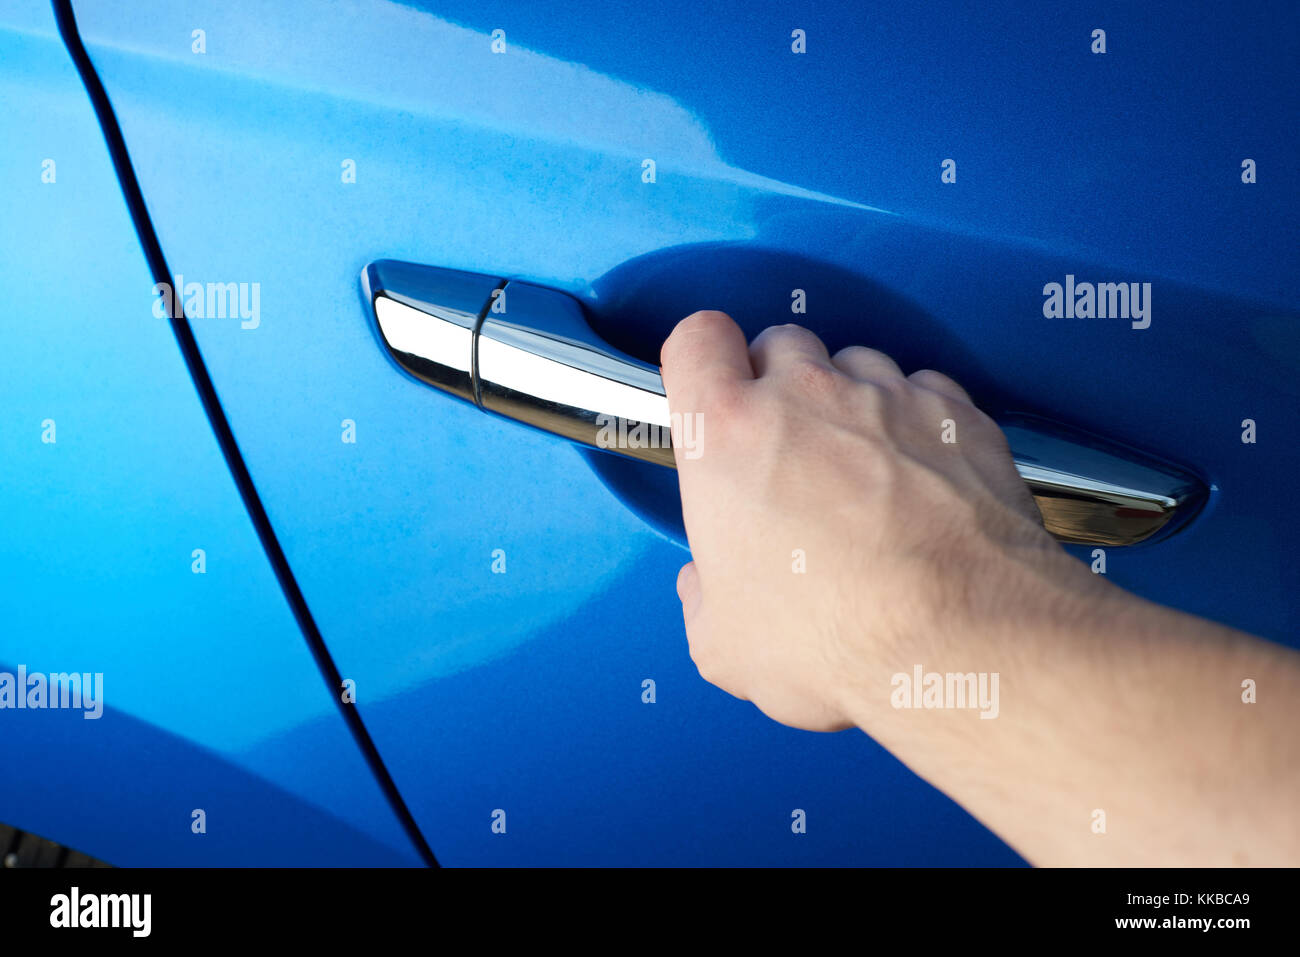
(706, 349)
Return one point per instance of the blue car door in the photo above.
(158, 705)
(499, 601)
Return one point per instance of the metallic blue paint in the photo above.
(212, 700)
(522, 691)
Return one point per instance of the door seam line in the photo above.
(152, 249)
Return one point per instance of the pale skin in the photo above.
(920, 551)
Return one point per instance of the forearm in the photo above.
(852, 526)
(1111, 704)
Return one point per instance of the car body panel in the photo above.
(111, 478)
(522, 690)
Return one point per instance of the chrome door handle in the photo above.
(522, 351)
(526, 352)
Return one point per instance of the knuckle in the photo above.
(892, 387)
(784, 336)
(703, 318)
(862, 355)
(940, 403)
(928, 377)
(726, 401)
(687, 329)
(938, 382)
(871, 402)
(790, 329)
(813, 378)
(882, 400)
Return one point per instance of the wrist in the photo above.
(1004, 620)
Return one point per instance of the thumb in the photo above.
(688, 590)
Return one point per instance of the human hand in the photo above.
(845, 520)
